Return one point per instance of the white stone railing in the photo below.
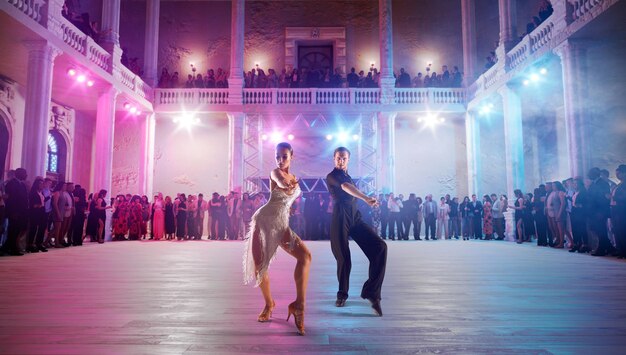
(213, 96)
(259, 96)
(190, 96)
(430, 96)
(73, 37)
(97, 55)
(294, 96)
(332, 96)
(133, 82)
(581, 7)
(32, 8)
(541, 35)
(305, 96)
(366, 96)
(518, 54)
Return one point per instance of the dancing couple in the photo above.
(269, 229)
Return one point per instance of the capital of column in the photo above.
(42, 50)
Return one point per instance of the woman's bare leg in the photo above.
(301, 272)
(264, 284)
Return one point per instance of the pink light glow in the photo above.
(290, 137)
(81, 78)
(71, 72)
(90, 83)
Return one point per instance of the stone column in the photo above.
(235, 81)
(508, 23)
(146, 167)
(151, 47)
(235, 154)
(111, 22)
(573, 62)
(386, 180)
(105, 127)
(468, 19)
(514, 140)
(385, 34)
(472, 139)
(41, 56)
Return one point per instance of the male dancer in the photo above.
(346, 221)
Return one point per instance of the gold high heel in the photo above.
(266, 314)
(298, 315)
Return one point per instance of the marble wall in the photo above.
(430, 160)
(199, 31)
(191, 160)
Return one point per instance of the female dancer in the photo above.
(269, 229)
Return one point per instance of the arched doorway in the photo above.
(4, 144)
(57, 156)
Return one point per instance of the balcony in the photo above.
(311, 99)
(45, 19)
(543, 39)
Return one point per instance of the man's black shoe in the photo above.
(340, 302)
(376, 306)
(15, 253)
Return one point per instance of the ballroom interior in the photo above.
(463, 97)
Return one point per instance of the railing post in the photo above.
(274, 96)
(313, 92)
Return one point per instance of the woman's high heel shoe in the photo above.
(298, 315)
(266, 314)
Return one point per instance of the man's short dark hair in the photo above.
(341, 149)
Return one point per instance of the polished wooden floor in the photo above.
(444, 297)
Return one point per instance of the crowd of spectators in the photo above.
(584, 215)
(305, 78)
(545, 10)
(82, 21)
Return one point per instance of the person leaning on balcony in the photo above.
(189, 82)
(418, 81)
(404, 80)
(353, 79)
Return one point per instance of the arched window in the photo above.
(53, 154)
(57, 156)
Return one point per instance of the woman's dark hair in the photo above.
(518, 193)
(580, 184)
(465, 199)
(487, 198)
(182, 197)
(102, 193)
(35, 188)
(285, 145)
(81, 194)
(558, 186)
(341, 149)
(58, 186)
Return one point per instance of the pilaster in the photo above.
(235, 81)
(105, 128)
(472, 139)
(468, 22)
(151, 48)
(514, 139)
(236, 123)
(385, 28)
(386, 180)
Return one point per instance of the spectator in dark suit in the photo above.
(353, 79)
(476, 210)
(16, 201)
(598, 207)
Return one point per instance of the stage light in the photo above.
(290, 137)
(329, 137)
(355, 137)
(186, 120)
(81, 78)
(534, 77)
(126, 106)
(133, 109)
(264, 137)
(526, 82)
(71, 72)
(543, 71)
(486, 109)
(430, 120)
(343, 136)
(137, 113)
(276, 137)
(90, 83)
